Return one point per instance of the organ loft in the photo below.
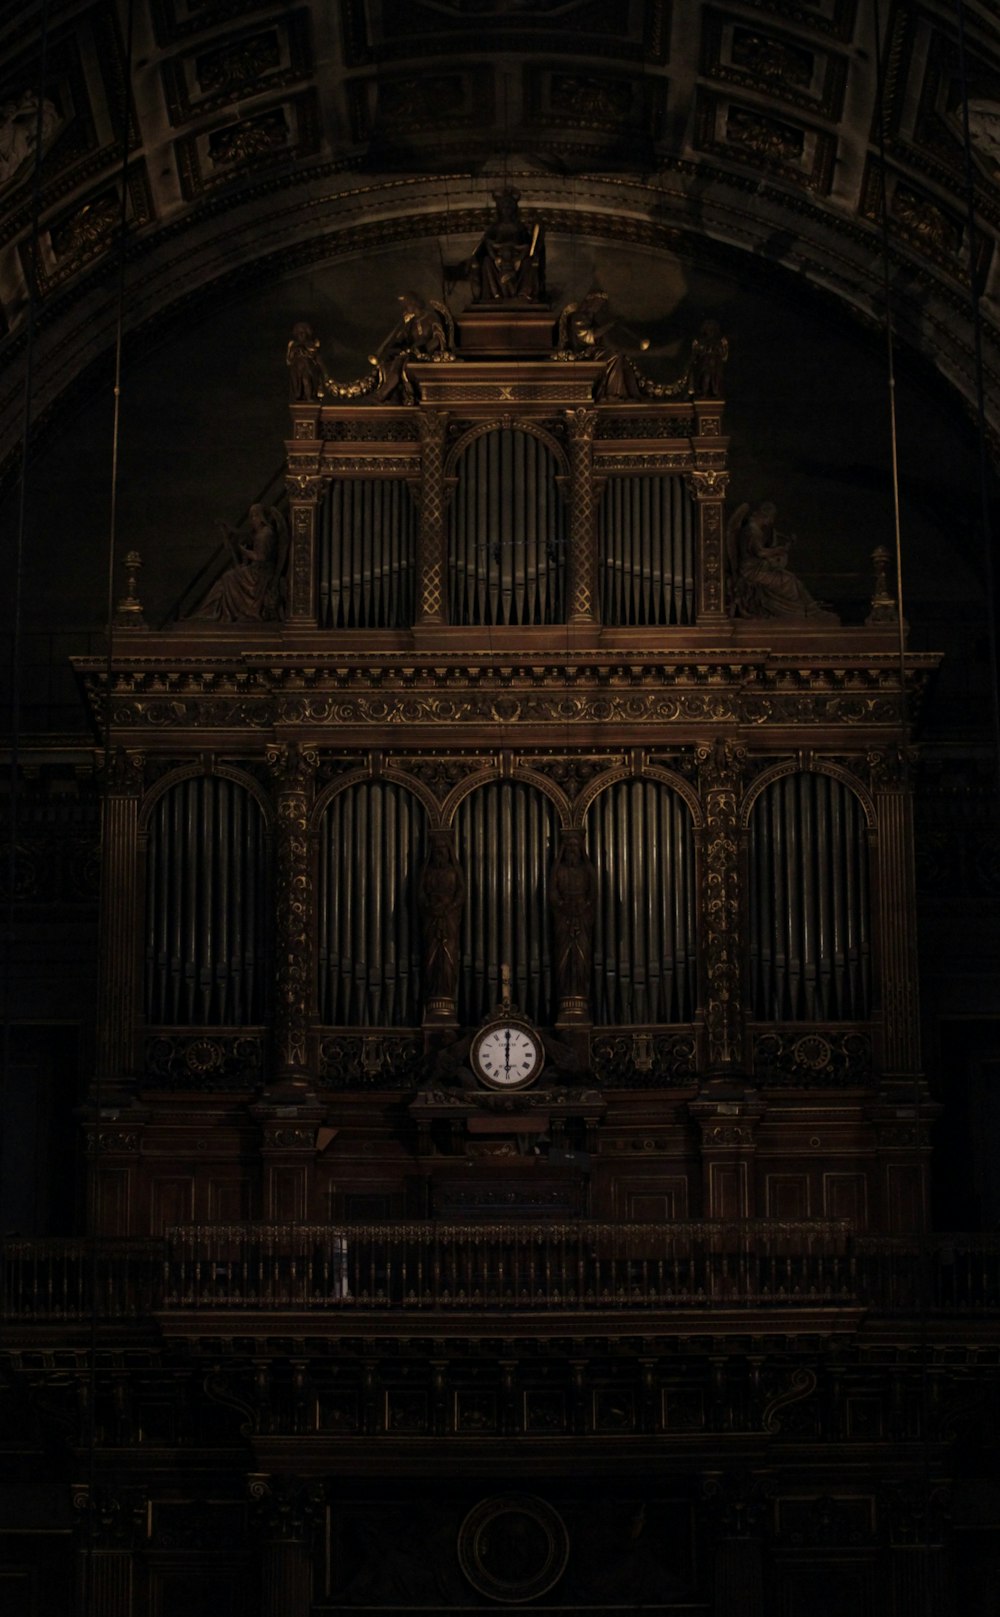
(507, 1143)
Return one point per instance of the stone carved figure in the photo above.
(584, 329)
(442, 897)
(762, 584)
(305, 368)
(709, 353)
(509, 262)
(573, 901)
(19, 128)
(422, 332)
(250, 591)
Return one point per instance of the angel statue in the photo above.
(424, 331)
(251, 590)
(762, 585)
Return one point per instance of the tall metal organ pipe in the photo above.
(206, 907)
(507, 533)
(506, 844)
(640, 838)
(809, 909)
(367, 554)
(646, 551)
(371, 852)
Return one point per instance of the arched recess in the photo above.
(366, 554)
(208, 901)
(640, 836)
(371, 846)
(809, 912)
(507, 526)
(506, 833)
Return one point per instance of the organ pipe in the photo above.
(206, 875)
(646, 551)
(506, 533)
(371, 852)
(810, 926)
(367, 555)
(506, 843)
(640, 839)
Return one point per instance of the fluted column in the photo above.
(286, 1512)
(708, 490)
(110, 1529)
(431, 561)
(737, 1508)
(121, 915)
(582, 590)
(294, 770)
(720, 766)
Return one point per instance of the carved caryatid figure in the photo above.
(251, 589)
(709, 353)
(573, 900)
(585, 330)
(762, 585)
(420, 333)
(305, 368)
(510, 259)
(442, 896)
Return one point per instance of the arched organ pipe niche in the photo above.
(208, 898)
(506, 844)
(640, 839)
(810, 931)
(372, 847)
(367, 554)
(507, 525)
(646, 551)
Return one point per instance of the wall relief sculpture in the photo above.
(762, 584)
(252, 589)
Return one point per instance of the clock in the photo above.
(507, 1053)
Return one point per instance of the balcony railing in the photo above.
(500, 1268)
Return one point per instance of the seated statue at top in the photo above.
(762, 585)
(509, 263)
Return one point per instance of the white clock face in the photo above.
(507, 1056)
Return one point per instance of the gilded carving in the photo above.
(431, 551)
(582, 424)
(721, 768)
(294, 770)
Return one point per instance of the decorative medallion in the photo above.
(513, 1548)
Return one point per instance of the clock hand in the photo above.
(507, 1052)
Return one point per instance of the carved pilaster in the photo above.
(728, 1131)
(118, 1007)
(896, 886)
(111, 1526)
(294, 770)
(582, 583)
(720, 766)
(431, 568)
(737, 1507)
(287, 1512)
(305, 488)
(708, 490)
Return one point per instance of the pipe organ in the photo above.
(509, 747)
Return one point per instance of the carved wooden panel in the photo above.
(653, 1198)
(171, 1201)
(786, 1195)
(845, 1195)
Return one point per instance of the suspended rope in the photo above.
(977, 334)
(87, 1580)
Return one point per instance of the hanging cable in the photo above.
(108, 754)
(17, 587)
(977, 334)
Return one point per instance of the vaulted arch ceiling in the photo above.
(264, 137)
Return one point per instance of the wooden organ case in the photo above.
(506, 628)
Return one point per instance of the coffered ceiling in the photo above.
(265, 137)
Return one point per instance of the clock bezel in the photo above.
(492, 1026)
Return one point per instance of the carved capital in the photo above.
(125, 775)
(304, 485)
(582, 424)
(720, 765)
(293, 767)
(109, 1519)
(287, 1510)
(891, 769)
(707, 485)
